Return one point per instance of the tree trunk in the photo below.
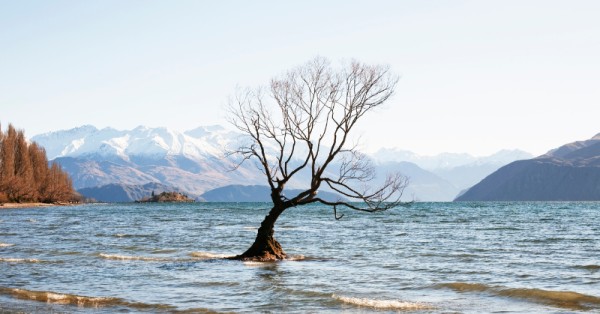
(265, 248)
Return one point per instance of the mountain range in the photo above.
(568, 173)
(191, 161)
(130, 163)
(255, 193)
(459, 169)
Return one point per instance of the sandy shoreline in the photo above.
(27, 205)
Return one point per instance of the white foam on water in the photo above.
(19, 260)
(298, 257)
(383, 304)
(5, 244)
(118, 257)
(256, 263)
(208, 255)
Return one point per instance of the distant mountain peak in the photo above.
(86, 127)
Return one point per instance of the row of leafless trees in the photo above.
(25, 174)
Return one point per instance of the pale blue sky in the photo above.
(476, 76)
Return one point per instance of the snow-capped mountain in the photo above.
(192, 161)
(198, 143)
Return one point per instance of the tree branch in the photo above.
(307, 122)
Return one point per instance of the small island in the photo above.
(166, 197)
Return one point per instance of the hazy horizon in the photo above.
(476, 77)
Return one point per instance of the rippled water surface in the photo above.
(429, 258)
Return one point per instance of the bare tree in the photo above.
(302, 125)
(7, 173)
(24, 172)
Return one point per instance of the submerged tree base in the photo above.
(263, 250)
(267, 257)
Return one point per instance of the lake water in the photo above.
(428, 258)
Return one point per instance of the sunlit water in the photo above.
(429, 258)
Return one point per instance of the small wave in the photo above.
(5, 244)
(164, 251)
(563, 299)
(19, 260)
(384, 304)
(544, 240)
(464, 286)
(32, 220)
(298, 257)
(77, 300)
(127, 235)
(303, 258)
(591, 267)
(117, 257)
(67, 253)
(208, 255)
(499, 229)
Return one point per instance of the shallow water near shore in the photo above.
(428, 258)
